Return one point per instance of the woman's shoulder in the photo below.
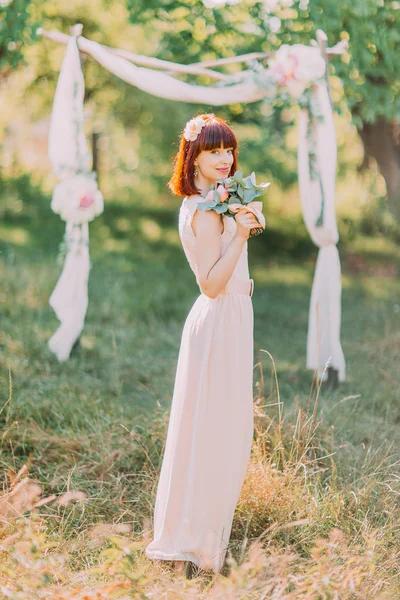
(205, 219)
(194, 199)
(190, 202)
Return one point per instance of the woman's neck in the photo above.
(204, 184)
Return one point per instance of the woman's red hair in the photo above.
(215, 133)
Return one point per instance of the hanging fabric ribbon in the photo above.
(76, 198)
(317, 193)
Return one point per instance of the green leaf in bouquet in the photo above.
(217, 197)
(238, 178)
(249, 195)
(232, 200)
(221, 208)
(248, 183)
(232, 187)
(208, 205)
(240, 192)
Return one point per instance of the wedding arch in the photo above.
(296, 72)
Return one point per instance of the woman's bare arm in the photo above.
(214, 270)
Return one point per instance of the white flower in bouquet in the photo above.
(77, 199)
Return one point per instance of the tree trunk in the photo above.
(96, 155)
(382, 142)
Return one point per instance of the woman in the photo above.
(210, 430)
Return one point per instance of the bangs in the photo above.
(215, 135)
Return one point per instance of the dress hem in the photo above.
(154, 554)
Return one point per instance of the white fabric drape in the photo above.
(323, 340)
(68, 154)
(69, 299)
(164, 86)
(68, 151)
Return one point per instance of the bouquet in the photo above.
(234, 193)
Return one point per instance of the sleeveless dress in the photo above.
(210, 430)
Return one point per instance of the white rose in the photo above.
(193, 128)
(311, 65)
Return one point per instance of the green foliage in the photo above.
(17, 29)
(370, 72)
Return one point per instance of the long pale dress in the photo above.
(211, 423)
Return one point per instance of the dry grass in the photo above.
(299, 533)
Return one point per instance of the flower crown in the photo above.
(193, 128)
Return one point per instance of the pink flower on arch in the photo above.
(86, 200)
(285, 69)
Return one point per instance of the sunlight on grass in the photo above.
(32, 298)
(172, 237)
(150, 229)
(374, 288)
(15, 235)
(374, 245)
(285, 274)
(87, 342)
(347, 281)
(123, 224)
(113, 245)
(153, 232)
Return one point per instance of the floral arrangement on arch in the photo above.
(290, 71)
(290, 75)
(77, 199)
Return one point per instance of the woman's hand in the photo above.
(245, 221)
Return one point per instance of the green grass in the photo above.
(98, 422)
